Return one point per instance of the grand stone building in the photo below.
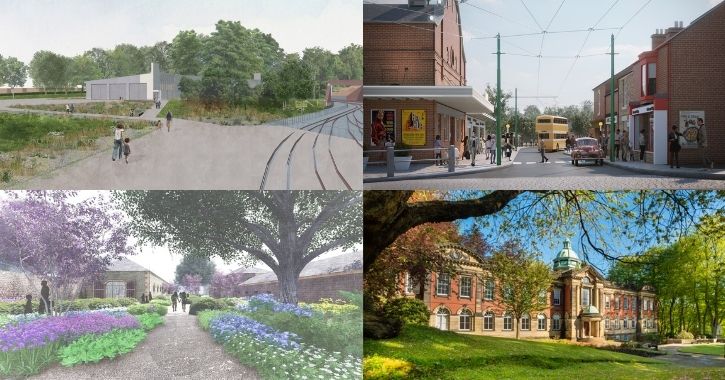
(581, 304)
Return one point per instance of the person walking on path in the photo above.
(473, 149)
(702, 144)
(437, 148)
(117, 142)
(174, 300)
(28, 309)
(184, 297)
(126, 148)
(674, 139)
(168, 121)
(491, 146)
(464, 153)
(625, 145)
(642, 144)
(44, 298)
(507, 148)
(617, 143)
(542, 149)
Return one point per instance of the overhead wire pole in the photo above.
(498, 99)
(612, 119)
(516, 115)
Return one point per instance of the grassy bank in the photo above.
(29, 143)
(229, 114)
(114, 108)
(41, 95)
(706, 349)
(427, 353)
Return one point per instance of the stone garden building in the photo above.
(125, 278)
(581, 304)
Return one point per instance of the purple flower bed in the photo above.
(65, 328)
(227, 326)
(267, 302)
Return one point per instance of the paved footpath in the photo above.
(178, 349)
(689, 359)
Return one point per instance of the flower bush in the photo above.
(149, 321)
(19, 319)
(148, 308)
(205, 303)
(226, 326)
(92, 348)
(267, 302)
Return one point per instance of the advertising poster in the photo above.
(414, 127)
(690, 123)
(383, 127)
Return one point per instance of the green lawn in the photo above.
(707, 349)
(427, 353)
(229, 114)
(113, 108)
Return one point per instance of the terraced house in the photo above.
(581, 304)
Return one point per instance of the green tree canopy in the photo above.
(185, 53)
(195, 265)
(49, 70)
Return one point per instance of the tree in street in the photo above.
(522, 279)
(49, 70)
(195, 265)
(283, 229)
(15, 73)
(54, 237)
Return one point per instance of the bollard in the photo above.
(391, 161)
(451, 159)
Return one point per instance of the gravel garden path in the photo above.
(178, 349)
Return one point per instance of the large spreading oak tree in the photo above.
(283, 229)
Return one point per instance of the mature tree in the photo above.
(505, 97)
(158, 53)
(351, 62)
(185, 53)
(82, 68)
(3, 71)
(267, 48)
(522, 279)
(127, 59)
(294, 79)
(283, 229)
(16, 73)
(101, 60)
(474, 240)
(416, 253)
(323, 63)
(49, 69)
(638, 217)
(195, 265)
(54, 236)
(192, 283)
(226, 285)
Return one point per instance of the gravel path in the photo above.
(178, 349)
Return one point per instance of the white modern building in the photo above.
(155, 85)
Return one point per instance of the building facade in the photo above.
(581, 305)
(125, 278)
(680, 81)
(415, 77)
(155, 85)
(323, 278)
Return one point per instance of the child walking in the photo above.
(126, 148)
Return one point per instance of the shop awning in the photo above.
(461, 98)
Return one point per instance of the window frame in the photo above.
(556, 322)
(539, 319)
(588, 292)
(465, 315)
(508, 318)
(491, 318)
(489, 286)
(447, 284)
(461, 287)
(557, 297)
(443, 313)
(526, 318)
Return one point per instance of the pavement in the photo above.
(666, 171)
(688, 359)
(178, 349)
(203, 156)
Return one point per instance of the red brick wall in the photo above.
(450, 62)
(390, 49)
(697, 81)
(311, 289)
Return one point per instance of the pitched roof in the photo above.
(125, 264)
(250, 270)
(402, 13)
(346, 262)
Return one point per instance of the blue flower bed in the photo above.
(227, 326)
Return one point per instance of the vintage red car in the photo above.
(587, 149)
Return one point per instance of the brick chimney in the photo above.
(658, 38)
(671, 31)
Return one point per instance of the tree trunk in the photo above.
(672, 322)
(388, 215)
(682, 313)
(517, 328)
(287, 280)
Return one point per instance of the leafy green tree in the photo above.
(49, 69)
(294, 79)
(195, 265)
(351, 62)
(522, 278)
(185, 53)
(15, 73)
(283, 229)
(101, 60)
(323, 63)
(158, 53)
(3, 70)
(82, 68)
(127, 59)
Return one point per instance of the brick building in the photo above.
(415, 76)
(581, 304)
(681, 79)
(322, 278)
(125, 278)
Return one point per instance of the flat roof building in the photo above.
(155, 85)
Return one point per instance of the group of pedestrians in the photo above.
(176, 297)
(676, 140)
(122, 143)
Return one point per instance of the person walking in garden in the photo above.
(174, 300)
(168, 121)
(184, 297)
(44, 306)
(117, 142)
(28, 309)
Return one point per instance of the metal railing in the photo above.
(310, 117)
(389, 161)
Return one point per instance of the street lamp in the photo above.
(508, 126)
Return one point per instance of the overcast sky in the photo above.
(550, 79)
(71, 27)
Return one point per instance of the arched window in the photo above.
(442, 319)
(556, 322)
(488, 321)
(464, 320)
(525, 322)
(507, 322)
(541, 325)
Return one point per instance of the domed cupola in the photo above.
(567, 258)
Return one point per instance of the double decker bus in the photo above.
(553, 130)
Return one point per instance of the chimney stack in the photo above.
(674, 30)
(658, 38)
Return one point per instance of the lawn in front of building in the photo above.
(706, 349)
(428, 353)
